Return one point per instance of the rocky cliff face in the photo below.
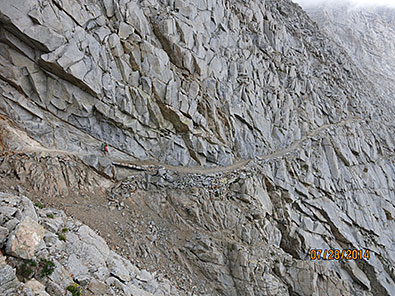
(365, 33)
(241, 136)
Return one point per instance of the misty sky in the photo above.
(390, 3)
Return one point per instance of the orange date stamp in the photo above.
(335, 254)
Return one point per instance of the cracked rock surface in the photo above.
(79, 256)
(241, 136)
(183, 83)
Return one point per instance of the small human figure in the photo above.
(104, 148)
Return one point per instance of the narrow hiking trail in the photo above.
(312, 134)
(236, 165)
(150, 164)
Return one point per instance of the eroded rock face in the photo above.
(184, 83)
(265, 141)
(364, 32)
(35, 288)
(51, 173)
(9, 284)
(245, 240)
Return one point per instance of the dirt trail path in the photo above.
(235, 165)
(312, 134)
(144, 165)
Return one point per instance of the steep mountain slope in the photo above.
(132, 80)
(366, 34)
(241, 137)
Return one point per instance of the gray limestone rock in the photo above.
(3, 236)
(84, 258)
(9, 284)
(252, 136)
(34, 288)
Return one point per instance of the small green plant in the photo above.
(61, 236)
(64, 230)
(39, 205)
(27, 268)
(75, 289)
(31, 262)
(48, 267)
(50, 216)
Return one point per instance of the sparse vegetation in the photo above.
(61, 236)
(31, 262)
(48, 267)
(64, 230)
(39, 205)
(75, 289)
(26, 270)
(50, 216)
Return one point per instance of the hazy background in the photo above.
(388, 3)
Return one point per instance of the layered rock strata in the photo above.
(257, 137)
(183, 83)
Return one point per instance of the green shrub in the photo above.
(48, 267)
(39, 205)
(31, 262)
(74, 289)
(50, 216)
(64, 230)
(26, 270)
(61, 237)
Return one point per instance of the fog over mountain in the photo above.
(367, 34)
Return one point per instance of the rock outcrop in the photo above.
(183, 83)
(241, 137)
(54, 254)
(25, 239)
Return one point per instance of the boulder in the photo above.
(25, 239)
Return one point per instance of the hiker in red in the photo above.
(104, 148)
